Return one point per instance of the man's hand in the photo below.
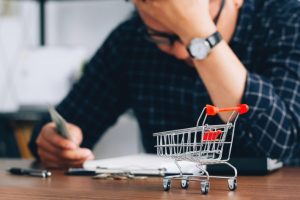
(58, 152)
(186, 18)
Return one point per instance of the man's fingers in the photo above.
(48, 160)
(75, 133)
(77, 154)
(64, 154)
(42, 143)
(59, 152)
(49, 134)
(77, 163)
(67, 158)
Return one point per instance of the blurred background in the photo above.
(43, 46)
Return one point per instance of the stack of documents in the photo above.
(141, 164)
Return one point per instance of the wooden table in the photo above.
(282, 184)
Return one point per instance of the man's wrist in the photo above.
(194, 31)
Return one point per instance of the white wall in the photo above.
(84, 23)
(74, 23)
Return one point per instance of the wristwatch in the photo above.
(199, 48)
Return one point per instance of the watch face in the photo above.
(199, 48)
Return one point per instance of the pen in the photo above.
(60, 123)
(30, 172)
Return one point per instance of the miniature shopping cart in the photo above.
(204, 145)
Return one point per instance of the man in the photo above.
(174, 57)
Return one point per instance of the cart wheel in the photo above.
(184, 183)
(204, 187)
(232, 184)
(166, 184)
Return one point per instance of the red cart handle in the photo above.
(212, 110)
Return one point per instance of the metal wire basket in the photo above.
(204, 144)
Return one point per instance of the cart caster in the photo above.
(232, 184)
(184, 183)
(204, 187)
(166, 184)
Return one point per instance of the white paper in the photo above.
(143, 163)
(273, 164)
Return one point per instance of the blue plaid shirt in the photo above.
(165, 93)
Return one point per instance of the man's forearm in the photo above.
(224, 77)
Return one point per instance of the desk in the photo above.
(283, 184)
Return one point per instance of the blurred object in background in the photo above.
(32, 77)
(38, 76)
(45, 75)
(8, 144)
(10, 41)
(83, 22)
(6, 7)
(11, 45)
(42, 76)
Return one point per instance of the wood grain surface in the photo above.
(282, 184)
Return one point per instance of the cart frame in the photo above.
(203, 144)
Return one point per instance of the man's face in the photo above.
(177, 49)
